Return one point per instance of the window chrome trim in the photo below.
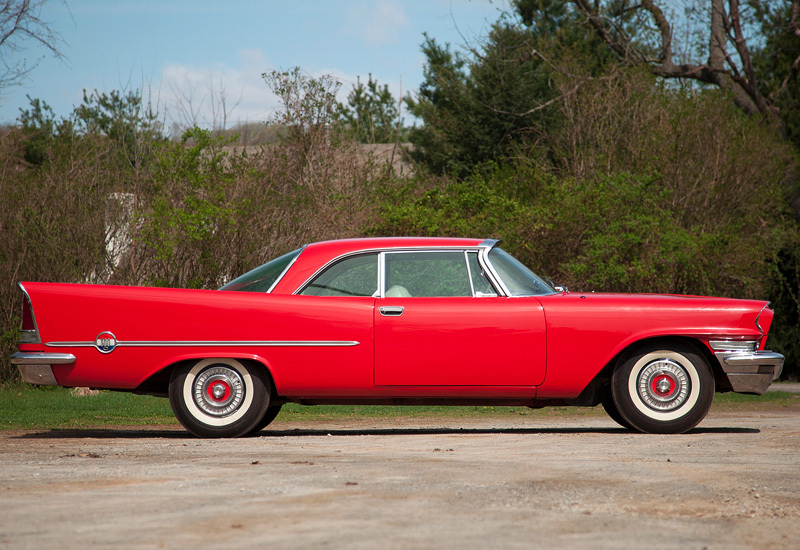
(212, 343)
(288, 267)
(469, 273)
(379, 251)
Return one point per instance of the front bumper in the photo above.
(750, 371)
(37, 367)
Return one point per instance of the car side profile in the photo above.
(404, 321)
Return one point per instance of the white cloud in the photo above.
(213, 95)
(378, 22)
(194, 94)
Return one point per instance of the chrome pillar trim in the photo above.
(212, 343)
(750, 372)
(489, 243)
(288, 267)
(38, 374)
(493, 276)
(39, 358)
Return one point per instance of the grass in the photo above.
(28, 408)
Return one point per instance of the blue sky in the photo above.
(194, 49)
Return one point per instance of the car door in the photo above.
(439, 322)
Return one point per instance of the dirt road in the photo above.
(577, 482)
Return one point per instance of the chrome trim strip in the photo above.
(733, 345)
(761, 330)
(39, 358)
(212, 343)
(278, 280)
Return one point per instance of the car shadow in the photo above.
(144, 433)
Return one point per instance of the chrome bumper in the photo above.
(37, 367)
(750, 371)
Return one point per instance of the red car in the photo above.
(396, 321)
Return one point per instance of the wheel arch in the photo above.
(158, 383)
(600, 386)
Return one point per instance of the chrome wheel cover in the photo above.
(218, 390)
(663, 385)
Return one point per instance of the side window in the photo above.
(480, 283)
(354, 276)
(426, 274)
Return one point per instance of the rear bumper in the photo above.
(37, 367)
(750, 371)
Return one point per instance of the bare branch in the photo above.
(21, 22)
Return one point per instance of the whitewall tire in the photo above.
(664, 388)
(219, 397)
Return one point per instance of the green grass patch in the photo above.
(28, 407)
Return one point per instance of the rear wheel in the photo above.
(219, 397)
(663, 389)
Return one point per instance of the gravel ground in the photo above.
(497, 482)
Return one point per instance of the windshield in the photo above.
(263, 278)
(519, 280)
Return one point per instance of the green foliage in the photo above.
(372, 113)
(190, 211)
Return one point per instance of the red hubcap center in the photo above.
(663, 385)
(219, 391)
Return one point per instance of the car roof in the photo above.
(316, 255)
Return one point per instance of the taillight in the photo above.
(29, 333)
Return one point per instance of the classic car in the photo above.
(403, 321)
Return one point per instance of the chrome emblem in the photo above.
(105, 342)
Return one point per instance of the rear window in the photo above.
(263, 278)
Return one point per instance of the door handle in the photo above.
(391, 311)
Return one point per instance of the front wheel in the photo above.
(219, 397)
(663, 389)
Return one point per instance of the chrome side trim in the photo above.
(211, 343)
(39, 358)
(288, 267)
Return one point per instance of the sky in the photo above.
(186, 55)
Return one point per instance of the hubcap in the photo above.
(663, 385)
(218, 390)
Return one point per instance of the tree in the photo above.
(372, 113)
(499, 96)
(21, 23)
(728, 61)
